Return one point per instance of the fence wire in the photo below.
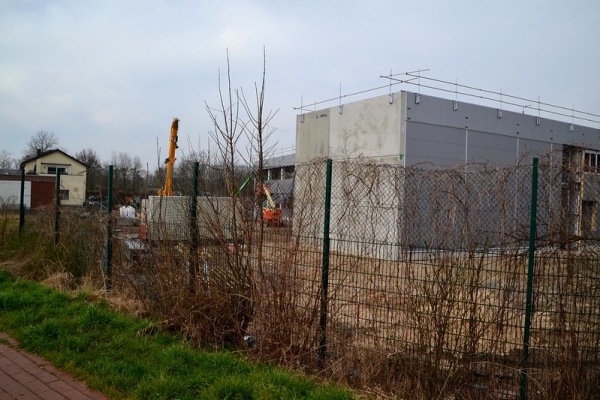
(427, 275)
(429, 270)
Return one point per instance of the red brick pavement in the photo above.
(29, 377)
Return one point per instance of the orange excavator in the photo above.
(270, 212)
(167, 190)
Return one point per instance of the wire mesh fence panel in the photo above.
(429, 270)
(427, 279)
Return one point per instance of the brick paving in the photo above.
(29, 377)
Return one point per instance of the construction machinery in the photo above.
(167, 190)
(270, 212)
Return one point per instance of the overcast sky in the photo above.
(111, 75)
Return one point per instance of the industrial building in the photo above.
(410, 128)
(278, 173)
(407, 129)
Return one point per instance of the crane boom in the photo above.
(167, 190)
(268, 194)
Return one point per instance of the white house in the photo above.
(72, 173)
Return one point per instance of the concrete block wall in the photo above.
(167, 217)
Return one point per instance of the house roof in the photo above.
(45, 153)
(280, 161)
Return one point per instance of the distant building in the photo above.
(278, 173)
(37, 190)
(72, 173)
(9, 171)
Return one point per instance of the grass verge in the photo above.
(117, 355)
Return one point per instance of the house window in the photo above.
(275, 174)
(63, 194)
(54, 170)
(288, 172)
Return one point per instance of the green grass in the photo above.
(104, 349)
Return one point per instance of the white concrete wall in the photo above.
(371, 128)
(10, 194)
(167, 217)
(312, 136)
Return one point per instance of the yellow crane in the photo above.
(167, 190)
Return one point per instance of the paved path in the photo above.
(29, 377)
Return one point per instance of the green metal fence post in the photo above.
(194, 242)
(108, 239)
(325, 266)
(57, 208)
(22, 203)
(530, 272)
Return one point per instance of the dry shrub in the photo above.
(430, 265)
(62, 281)
(79, 246)
(124, 303)
(286, 303)
(427, 281)
(8, 219)
(208, 302)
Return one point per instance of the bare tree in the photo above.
(94, 172)
(136, 175)
(123, 166)
(258, 130)
(42, 141)
(228, 128)
(234, 118)
(90, 157)
(6, 160)
(182, 175)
